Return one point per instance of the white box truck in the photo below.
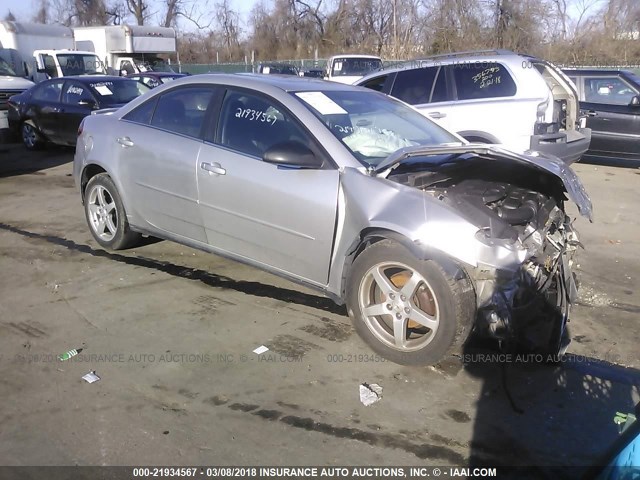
(128, 49)
(11, 83)
(46, 51)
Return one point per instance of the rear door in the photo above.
(614, 123)
(282, 218)
(159, 143)
(45, 109)
(417, 87)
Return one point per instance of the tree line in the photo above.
(580, 32)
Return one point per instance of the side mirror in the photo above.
(292, 154)
(88, 103)
(635, 101)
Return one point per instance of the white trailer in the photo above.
(44, 51)
(128, 49)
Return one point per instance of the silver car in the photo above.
(347, 191)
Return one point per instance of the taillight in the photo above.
(80, 127)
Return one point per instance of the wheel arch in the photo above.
(479, 136)
(88, 172)
(370, 235)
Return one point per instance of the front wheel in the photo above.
(411, 311)
(106, 216)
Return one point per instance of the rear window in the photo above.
(112, 92)
(483, 80)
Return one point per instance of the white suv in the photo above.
(520, 101)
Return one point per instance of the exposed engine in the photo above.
(526, 309)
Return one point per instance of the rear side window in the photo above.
(182, 110)
(49, 92)
(609, 89)
(414, 86)
(483, 80)
(143, 113)
(377, 83)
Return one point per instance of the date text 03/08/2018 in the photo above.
(307, 472)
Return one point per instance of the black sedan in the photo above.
(610, 100)
(155, 79)
(52, 110)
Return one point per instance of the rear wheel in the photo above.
(408, 310)
(106, 216)
(31, 138)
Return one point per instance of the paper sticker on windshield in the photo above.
(337, 66)
(323, 104)
(266, 70)
(103, 90)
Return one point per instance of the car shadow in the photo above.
(538, 420)
(256, 289)
(15, 159)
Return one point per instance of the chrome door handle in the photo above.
(437, 114)
(125, 142)
(213, 168)
(592, 113)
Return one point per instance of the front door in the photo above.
(282, 218)
(614, 123)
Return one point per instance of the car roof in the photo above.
(286, 83)
(595, 71)
(356, 55)
(92, 78)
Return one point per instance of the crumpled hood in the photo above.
(572, 184)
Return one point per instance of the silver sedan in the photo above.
(347, 191)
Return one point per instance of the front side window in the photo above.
(373, 126)
(612, 90)
(48, 92)
(477, 80)
(75, 92)
(182, 110)
(252, 124)
(414, 86)
(50, 66)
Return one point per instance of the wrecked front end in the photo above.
(522, 269)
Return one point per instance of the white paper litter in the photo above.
(370, 393)
(321, 103)
(260, 350)
(91, 377)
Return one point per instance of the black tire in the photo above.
(31, 138)
(442, 291)
(109, 212)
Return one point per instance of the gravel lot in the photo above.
(171, 331)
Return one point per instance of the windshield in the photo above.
(117, 91)
(5, 68)
(355, 66)
(79, 64)
(371, 125)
